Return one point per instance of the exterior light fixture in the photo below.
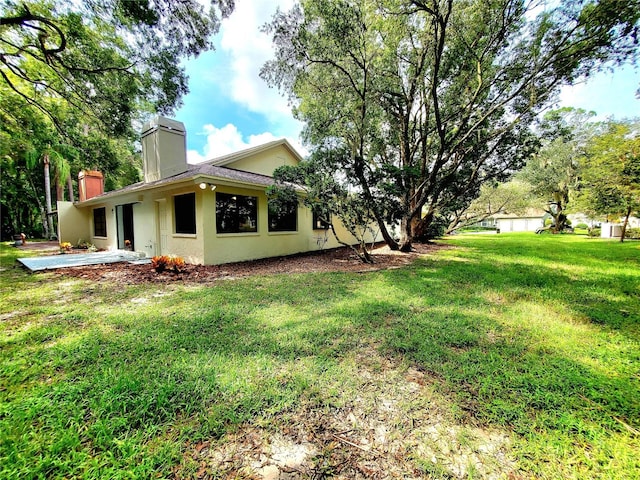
(205, 185)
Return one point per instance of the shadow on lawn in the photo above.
(214, 357)
(525, 348)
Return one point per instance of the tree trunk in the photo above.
(70, 188)
(421, 225)
(363, 255)
(45, 222)
(556, 224)
(624, 225)
(59, 190)
(47, 196)
(559, 218)
(406, 234)
(386, 236)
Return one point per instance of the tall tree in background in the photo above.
(553, 173)
(82, 75)
(433, 98)
(610, 182)
(514, 196)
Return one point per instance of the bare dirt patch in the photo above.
(392, 427)
(335, 260)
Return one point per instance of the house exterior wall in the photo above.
(73, 223)
(188, 246)
(206, 246)
(108, 242)
(265, 162)
(222, 248)
(611, 230)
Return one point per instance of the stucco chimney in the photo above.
(90, 184)
(164, 148)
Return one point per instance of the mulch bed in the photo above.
(334, 260)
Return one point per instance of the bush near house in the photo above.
(163, 263)
(633, 233)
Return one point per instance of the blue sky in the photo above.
(230, 108)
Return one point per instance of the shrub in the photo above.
(177, 264)
(84, 245)
(594, 232)
(65, 247)
(164, 262)
(159, 263)
(583, 226)
(632, 233)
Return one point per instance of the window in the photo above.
(236, 213)
(283, 218)
(319, 223)
(184, 208)
(100, 222)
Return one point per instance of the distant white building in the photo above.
(614, 230)
(529, 221)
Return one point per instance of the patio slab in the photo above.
(50, 262)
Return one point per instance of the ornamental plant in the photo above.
(160, 263)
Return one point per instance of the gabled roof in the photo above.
(210, 171)
(234, 157)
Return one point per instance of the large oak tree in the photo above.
(433, 98)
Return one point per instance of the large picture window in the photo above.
(100, 222)
(284, 218)
(236, 213)
(184, 208)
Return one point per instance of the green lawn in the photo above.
(534, 338)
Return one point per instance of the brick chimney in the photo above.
(90, 184)
(164, 148)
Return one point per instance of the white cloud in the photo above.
(249, 48)
(228, 139)
(228, 81)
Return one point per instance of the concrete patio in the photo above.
(51, 262)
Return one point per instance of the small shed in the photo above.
(611, 230)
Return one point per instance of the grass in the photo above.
(534, 336)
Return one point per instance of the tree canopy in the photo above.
(610, 173)
(78, 78)
(432, 98)
(107, 58)
(553, 173)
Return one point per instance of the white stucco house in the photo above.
(209, 213)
